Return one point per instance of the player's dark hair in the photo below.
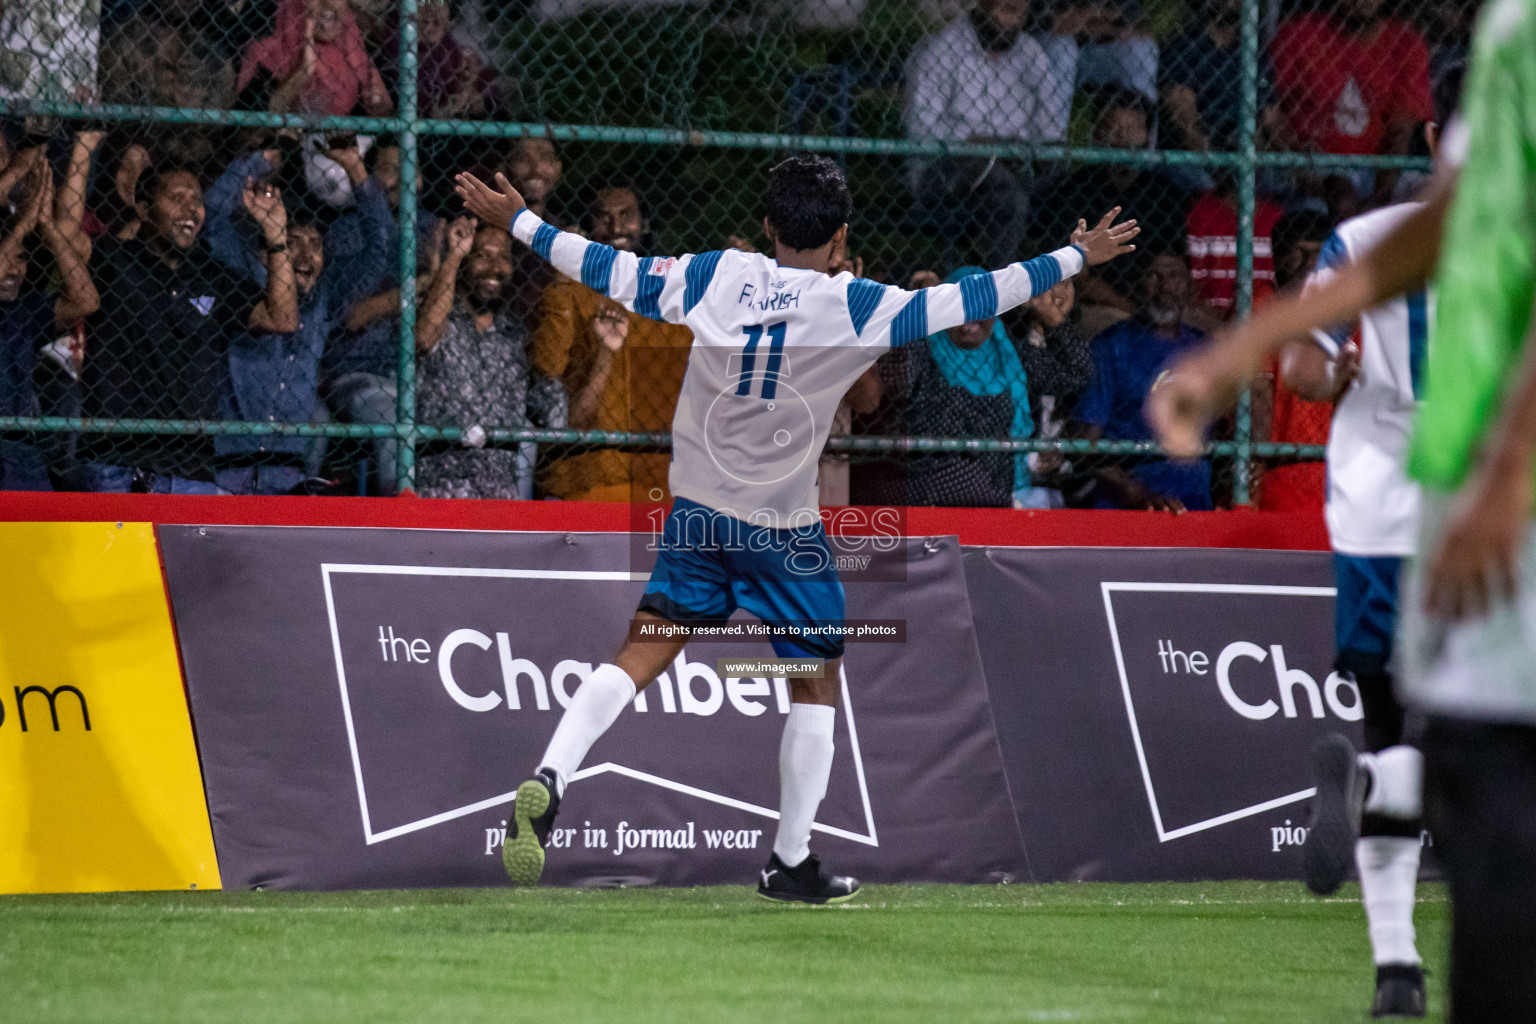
(1302, 224)
(1447, 92)
(807, 201)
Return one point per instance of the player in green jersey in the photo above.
(1468, 632)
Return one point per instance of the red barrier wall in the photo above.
(1283, 531)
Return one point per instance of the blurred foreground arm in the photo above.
(1205, 383)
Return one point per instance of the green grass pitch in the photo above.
(1185, 953)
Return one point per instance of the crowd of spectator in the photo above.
(189, 273)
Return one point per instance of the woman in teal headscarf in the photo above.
(966, 382)
(980, 357)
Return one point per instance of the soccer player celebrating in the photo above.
(1467, 640)
(777, 343)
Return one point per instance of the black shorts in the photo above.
(1480, 803)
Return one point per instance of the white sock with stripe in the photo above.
(1397, 782)
(595, 707)
(1389, 870)
(805, 765)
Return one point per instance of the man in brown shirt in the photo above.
(621, 370)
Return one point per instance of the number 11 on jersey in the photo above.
(749, 358)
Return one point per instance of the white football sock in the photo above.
(1397, 782)
(805, 765)
(598, 701)
(1389, 869)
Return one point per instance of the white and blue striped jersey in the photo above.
(1373, 505)
(775, 349)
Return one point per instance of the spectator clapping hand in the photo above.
(36, 211)
(89, 140)
(461, 237)
(264, 203)
(349, 157)
(611, 325)
(1052, 307)
(131, 166)
(69, 205)
(19, 167)
(310, 60)
(40, 206)
(286, 95)
(77, 297)
(24, 210)
(1184, 108)
(433, 256)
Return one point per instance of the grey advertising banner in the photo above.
(1156, 707)
(366, 702)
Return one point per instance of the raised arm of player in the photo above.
(909, 315)
(655, 287)
(1205, 383)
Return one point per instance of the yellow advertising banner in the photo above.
(99, 781)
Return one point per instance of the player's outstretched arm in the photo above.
(1106, 239)
(1205, 383)
(652, 286)
(920, 313)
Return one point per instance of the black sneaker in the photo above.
(804, 883)
(533, 814)
(1329, 850)
(1399, 991)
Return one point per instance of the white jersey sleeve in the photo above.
(668, 288)
(1333, 256)
(1373, 506)
(893, 317)
(653, 286)
(775, 349)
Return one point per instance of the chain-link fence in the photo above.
(233, 260)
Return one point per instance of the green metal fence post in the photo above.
(405, 373)
(1247, 173)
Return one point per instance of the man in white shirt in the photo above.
(983, 78)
